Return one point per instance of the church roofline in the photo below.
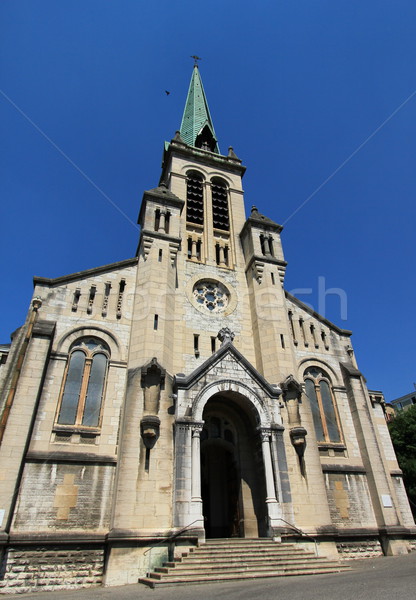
(316, 315)
(182, 381)
(84, 274)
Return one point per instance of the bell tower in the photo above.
(200, 220)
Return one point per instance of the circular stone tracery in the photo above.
(211, 295)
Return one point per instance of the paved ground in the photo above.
(387, 578)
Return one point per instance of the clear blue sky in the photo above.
(295, 86)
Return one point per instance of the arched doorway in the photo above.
(232, 471)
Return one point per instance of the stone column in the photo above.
(273, 509)
(162, 221)
(268, 468)
(196, 464)
(183, 473)
(196, 500)
(222, 256)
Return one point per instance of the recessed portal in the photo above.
(232, 471)
(220, 491)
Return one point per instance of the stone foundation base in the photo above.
(359, 549)
(48, 568)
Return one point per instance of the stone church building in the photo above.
(183, 395)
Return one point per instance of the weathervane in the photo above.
(196, 59)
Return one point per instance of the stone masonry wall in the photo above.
(48, 568)
(64, 496)
(349, 500)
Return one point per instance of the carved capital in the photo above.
(196, 429)
(265, 433)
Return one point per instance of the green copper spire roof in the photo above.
(196, 127)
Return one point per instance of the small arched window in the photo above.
(84, 383)
(319, 392)
(220, 205)
(194, 198)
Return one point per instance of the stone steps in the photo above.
(227, 560)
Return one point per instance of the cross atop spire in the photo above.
(197, 128)
(196, 59)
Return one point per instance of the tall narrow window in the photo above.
(262, 244)
(266, 244)
(292, 327)
(84, 384)
(302, 330)
(157, 219)
(325, 418)
(75, 301)
(196, 344)
(220, 216)
(194, 199)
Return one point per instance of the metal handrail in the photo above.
(302, 533)
(171, 537)
(167, 539)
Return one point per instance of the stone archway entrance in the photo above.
(232, 471)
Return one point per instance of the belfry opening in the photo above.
(232, 472)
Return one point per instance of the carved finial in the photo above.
(177, 138)
(231, 153)
(36, 303)
(254, 209)
(225, 335)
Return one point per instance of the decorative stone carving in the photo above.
(153, 379)
(36, 303)
(225, 335)
(149, 429)
(298, 439)
(292, 393)
(265, 434)
(212, 295)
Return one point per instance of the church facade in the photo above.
(183, 394)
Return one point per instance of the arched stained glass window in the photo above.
(84, 384)
(320, 395)
(316, 413)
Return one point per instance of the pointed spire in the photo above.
(197, 128)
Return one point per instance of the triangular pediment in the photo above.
(227, 363)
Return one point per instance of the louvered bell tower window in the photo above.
(220, 205)
(194, 199)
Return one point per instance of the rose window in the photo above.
(211, 295)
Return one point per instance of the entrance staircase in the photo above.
(240, 558)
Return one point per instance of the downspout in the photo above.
(36, 304)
